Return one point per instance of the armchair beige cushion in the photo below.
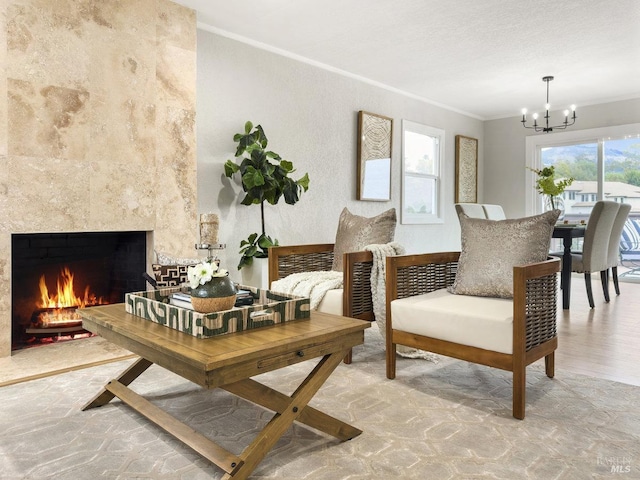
(479, 322)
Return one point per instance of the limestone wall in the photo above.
(97, 123)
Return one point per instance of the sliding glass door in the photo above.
(605, 165)
(604, 170)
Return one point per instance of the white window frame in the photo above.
(439, 135)
(535, 143)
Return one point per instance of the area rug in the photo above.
(444, 420)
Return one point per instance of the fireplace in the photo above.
(52, 274)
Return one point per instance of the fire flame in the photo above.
(65, 296)
(60, 314)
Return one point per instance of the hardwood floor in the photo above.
(602, 342)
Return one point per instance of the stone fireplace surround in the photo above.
(97, 124)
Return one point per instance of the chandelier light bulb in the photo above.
(573, 108)
(547, 106)
(524, 111)
(566, 113)
(535, 116)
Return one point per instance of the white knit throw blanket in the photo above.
(379, 295)
(309, 284)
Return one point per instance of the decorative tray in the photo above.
(269, 308)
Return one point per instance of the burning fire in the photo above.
(59, 308)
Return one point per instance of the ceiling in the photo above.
(485, 58)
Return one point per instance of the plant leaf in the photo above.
(230, 168)
(304, 182)
(286, 165)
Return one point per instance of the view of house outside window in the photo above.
(620, 164)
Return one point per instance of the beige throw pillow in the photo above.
(490, 250)
(356, 232)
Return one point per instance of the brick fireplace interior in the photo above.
(54, 273)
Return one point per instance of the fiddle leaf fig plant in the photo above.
(264, 177)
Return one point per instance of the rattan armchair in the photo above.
(357, 301)
(534, 316)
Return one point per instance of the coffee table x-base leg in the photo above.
(288, 409)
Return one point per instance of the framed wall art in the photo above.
(466, 169)
(374, 157)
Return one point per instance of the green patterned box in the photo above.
(269, 308)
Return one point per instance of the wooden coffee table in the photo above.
(229, 362)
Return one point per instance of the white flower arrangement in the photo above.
(204, 272)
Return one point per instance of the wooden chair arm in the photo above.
(535, 308)
(357, 300)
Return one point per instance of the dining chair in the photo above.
(614, 243)
(595, 248)
(481, 210)
(473, 210)
(493, 212)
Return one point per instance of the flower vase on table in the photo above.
(556, 203)
(552, 188)
(211, 288)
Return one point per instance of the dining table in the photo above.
(567, 232)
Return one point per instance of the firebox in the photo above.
(53, 274)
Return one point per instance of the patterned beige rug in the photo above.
(444, 420)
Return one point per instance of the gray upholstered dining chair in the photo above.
(595, 248)
(614, 243)
(493, 212)
(481, 210)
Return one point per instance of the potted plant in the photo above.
(264, 177)
(546, 184)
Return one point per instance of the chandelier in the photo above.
(568, 120)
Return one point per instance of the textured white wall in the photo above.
(504, 150)
(310, 117)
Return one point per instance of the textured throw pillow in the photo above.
(355, 233)
(166, 259)
(170, 275)
(490, 250)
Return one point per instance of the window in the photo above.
(604, 162)
(422, 157)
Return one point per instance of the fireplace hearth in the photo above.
(53, 274)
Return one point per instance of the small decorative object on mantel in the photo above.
(209, 228)
(209, 224)
(211, 288)
(546, 184)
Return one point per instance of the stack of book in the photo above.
(243, 298)
(183, 300)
